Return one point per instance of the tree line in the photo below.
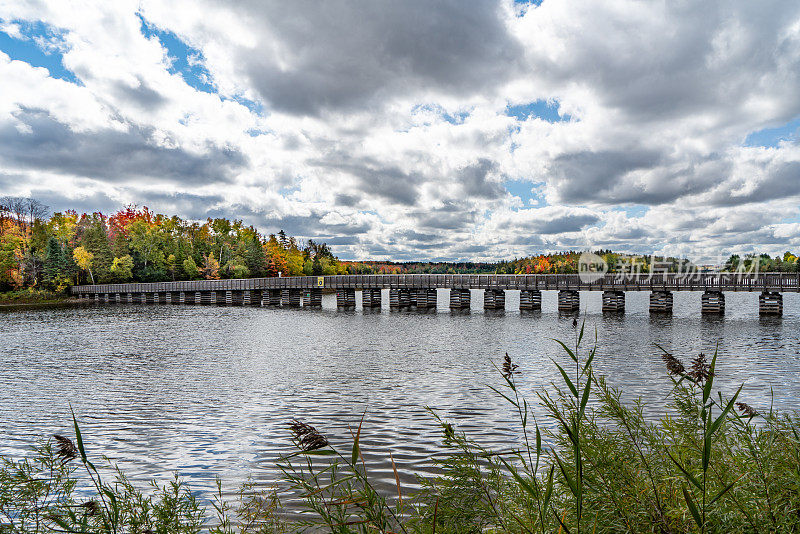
(138, 245)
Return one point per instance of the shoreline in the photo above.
(28, 302)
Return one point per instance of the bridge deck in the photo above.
(776, 282)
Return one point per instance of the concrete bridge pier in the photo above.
(346, 298)
(661, 302)
(460, 299)
(568, 300)
(530, 299)
(613, 301)
(712, 302)
(770, 303)
(371, 298)
(494, 299)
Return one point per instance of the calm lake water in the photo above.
(207, 391)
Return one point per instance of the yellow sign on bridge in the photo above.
(320, 281)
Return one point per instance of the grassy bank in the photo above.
(714, 464)
(34, 296)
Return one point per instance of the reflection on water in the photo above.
(207, 391)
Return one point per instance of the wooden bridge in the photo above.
(420, 290)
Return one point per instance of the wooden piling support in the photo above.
(346, 298)
(460, 299)
(530, 299)
(568, 300)
(770, 303)
(712, 302)
(660, 302)
(400, 298)
(272, 297)
(613, 301)
(314, 298)
(494, 299)
(371, 298)
(253, 297)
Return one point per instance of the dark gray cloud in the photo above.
(109, 154)
(142, 94)
(343, 55)
(453, 215)
(187, 205)
(375, 178)
(699, 57)
(778, 181)
(566, 223)
(348, 201)
(90, 202)
(473, 179)
(604, 177)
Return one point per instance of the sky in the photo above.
(444, 130)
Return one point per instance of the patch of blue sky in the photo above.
(772, 137)
(525, 4)
(252, 105)
(255, 132)
(791, 220)
(547, 110)
(188, 62)
(184, 59)
(528, 192)
(636, 210)
(39, 45)
(457, 117)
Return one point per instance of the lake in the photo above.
(207, 391)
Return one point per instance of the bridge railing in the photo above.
(631, 282)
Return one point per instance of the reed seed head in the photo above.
(746, 409)
(509, 368)
(674, 365)
(306, 436)
(66, 448)
(701, 369)
(92, 508)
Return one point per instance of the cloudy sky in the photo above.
(417, 129)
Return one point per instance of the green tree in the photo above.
(122, 268)
(56, 265)
(190, 268)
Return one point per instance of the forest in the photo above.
(54, 251)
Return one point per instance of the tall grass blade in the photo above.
(567, 380)
(692, 507)
(568, 350)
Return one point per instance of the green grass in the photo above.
(33, 296)
(596, 464)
